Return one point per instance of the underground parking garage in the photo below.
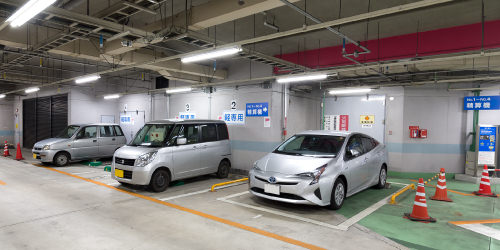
(255, 124)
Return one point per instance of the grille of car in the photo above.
(281, 195)
(277, 183)
(127, 174)
(127, 162)
(38, 148)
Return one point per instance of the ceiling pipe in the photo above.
(356, 18)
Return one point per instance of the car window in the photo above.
(190, 132)
(106, 131)
(355, 143)
(118, 131)
(367, 144)
(222, 130)
(312, 145)
(88, 132)
(208, 132)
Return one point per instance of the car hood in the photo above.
(49, 141)
(132, 152)
(291, 164)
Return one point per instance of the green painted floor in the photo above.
(389, 221)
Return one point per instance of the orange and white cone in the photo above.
(484, 185)
(419, 212)
(441, 190)
(6, 152)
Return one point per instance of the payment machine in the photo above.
(486, 152)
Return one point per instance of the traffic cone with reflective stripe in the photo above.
(484, 185)
(441, 190)
(6, 152)
(419, 212)
(19, 155)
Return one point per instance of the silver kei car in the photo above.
(320, 168)
(80, 142)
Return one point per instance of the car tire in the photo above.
(338, 195)
(160, 180)
(382, 178)
(223, 170)
(61, 159)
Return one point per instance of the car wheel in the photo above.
(160, 180)
(382, 177)
(223, 170)
(338, 195)
(61, 159)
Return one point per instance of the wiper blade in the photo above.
(321, 156)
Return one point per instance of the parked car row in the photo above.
(313, 167)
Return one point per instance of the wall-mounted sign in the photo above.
(233, 104)
(188, 107)
(336, 122)
(267, 122)
(125, 119)
(481, 102)
(257, 109)
(367, 119)
(487, 145)
(187, 115)
(366, 125)
(234, 117)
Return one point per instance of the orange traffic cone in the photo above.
(484, 185)
(19, 155)
(419, 212)
(441, 191)
(6, 152)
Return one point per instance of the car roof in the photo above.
(181, 121)
(94, 124)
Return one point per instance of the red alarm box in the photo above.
(423, 133)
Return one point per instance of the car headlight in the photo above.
(46, 147)
(145, 159)
(315, 174)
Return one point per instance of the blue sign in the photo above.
(257, 109)
(487, 139)
(481, 102)
(125, 119)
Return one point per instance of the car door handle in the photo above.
(94, 141)
(114, 139)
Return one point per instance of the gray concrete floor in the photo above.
(43, 209)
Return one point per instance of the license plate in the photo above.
(272, 189)
(119, 173)
(34, 156)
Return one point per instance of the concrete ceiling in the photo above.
(232, 23)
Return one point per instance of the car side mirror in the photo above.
(354, 153)
(181, 141)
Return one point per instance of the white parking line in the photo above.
(199, 192)
(482, 229)
(344, 226)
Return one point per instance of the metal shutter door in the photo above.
(29, 123)
(59, 114)
(43, 118)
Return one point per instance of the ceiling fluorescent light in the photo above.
(212, 54)
(2, 96)
(85, 79)
(108, 97)
(28, 11)
(301, 78)
(31, 90)
(373, 98)
(349, 91)
(178, 90)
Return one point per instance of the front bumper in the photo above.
(132, 175)
(44, 155)
(292, 189)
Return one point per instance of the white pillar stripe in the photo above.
(420, 204)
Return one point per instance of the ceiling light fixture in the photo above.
(349, 91)
(85, 79)
(31, 90)
(28, 11)
(301, 78)
(109, 97)
(178, 90)
(212, 54)
(2, 96)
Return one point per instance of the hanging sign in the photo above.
(481, 102)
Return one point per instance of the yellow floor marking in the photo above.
(195, 212)
(474, 222)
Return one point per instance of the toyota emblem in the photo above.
(272, 179)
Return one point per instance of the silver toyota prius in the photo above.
(320, 168)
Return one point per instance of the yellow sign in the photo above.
(367, 119)
(17, 126)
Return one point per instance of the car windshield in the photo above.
(68, 132)
(152, 135)
(312, 145)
